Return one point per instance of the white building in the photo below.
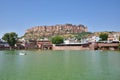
(114, 37)
(93, 39)
(71, 41)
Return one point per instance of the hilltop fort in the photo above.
(48, 31)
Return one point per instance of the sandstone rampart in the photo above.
(48, 31)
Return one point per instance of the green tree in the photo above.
(10, 38)
(119, 43)
(119, 38)
(103, 36)
(57, 40)
(119, 46)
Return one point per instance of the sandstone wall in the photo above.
(47, 31)
(69, 48)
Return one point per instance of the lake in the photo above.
(59, 65)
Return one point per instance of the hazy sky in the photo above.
(97, 15)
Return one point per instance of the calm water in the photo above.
(60, 65)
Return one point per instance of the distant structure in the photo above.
(48, 31)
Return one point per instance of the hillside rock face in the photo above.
(48, 31)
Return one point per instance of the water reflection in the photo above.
(66, 60)
(60, 65)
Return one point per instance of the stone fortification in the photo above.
(48, 31)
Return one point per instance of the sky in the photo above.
(97, 15)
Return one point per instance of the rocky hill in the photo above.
(48, 31)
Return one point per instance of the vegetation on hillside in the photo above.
(83, 35)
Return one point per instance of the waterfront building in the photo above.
(113, 37)
(44, 44)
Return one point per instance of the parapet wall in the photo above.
(70, 48)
